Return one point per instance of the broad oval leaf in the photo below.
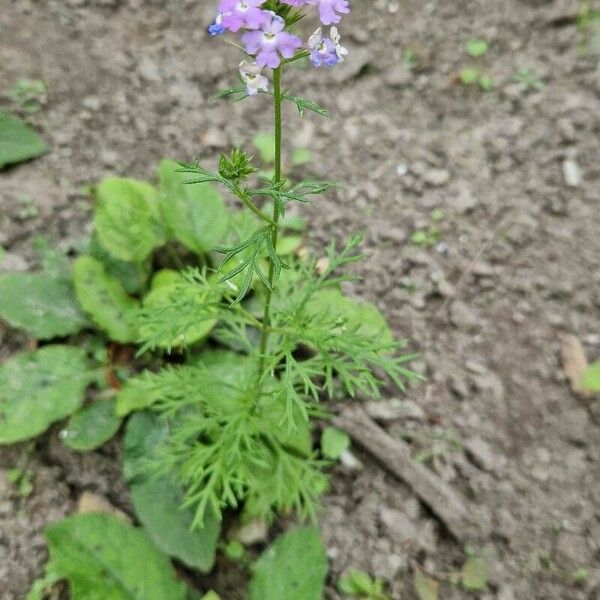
(158, 499)
(475, 574)
(104, 300)
(127, 218)
(334, 442)
(195, 213)
(91, 426)
(42, 304)
(132, 275)
(18, 142)
(38, 388)
(103, 558)
(294, 568)
(591, 378)
(364, 316)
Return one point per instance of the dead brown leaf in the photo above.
(93, 503)
(574, 363)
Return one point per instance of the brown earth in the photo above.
(516, 171)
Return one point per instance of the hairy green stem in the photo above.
(277, 100)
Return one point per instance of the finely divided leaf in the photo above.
(157, 499)
(38, 388)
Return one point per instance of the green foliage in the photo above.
(18, 142)
(157, 499)
(477, 48)
(236, 166)
(528, 79)
(21, 480)
(103, 558)
(359, 584)
(43, 304)
(294, 568)
(127, 218)
(104, 299)
(42, 587)
(334, 442)
(228, 403)
(91, 426)
(133, 276)
(172, 299)
(473, 75)
(195, 215)
(219, 402)
(426, 588)
(38, 388)
(475, 574)
(591, 378)
(27, 94)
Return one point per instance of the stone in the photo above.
(253, 532)
(572, 173)
(392, 410)
(482, 454)
(398, 76)
(463, 317)
(12, 263)
(574, 426)
(397, 526)
(90, 502)
(436, 177)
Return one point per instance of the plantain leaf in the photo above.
(103, 558)
(18, 142)
(42, 304)
(104, 299)
(91, 426)
(133, 276)
(294, 568)
(195, 213)
(127, 218)
(157, 499)
(38, 388)
(364, 316)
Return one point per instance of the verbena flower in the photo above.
(326, 51)
(217, 28)
(238, 14)
(329, 9)
(253, 78)
(271, 41)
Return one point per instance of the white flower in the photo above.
(339, 49)
(253, 78)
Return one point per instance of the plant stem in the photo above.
(277, 98)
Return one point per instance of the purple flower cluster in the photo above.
(266, 39)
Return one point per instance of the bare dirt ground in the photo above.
(516, 264)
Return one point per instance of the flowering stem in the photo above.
(277, 101)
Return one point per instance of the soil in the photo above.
(515, 264)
